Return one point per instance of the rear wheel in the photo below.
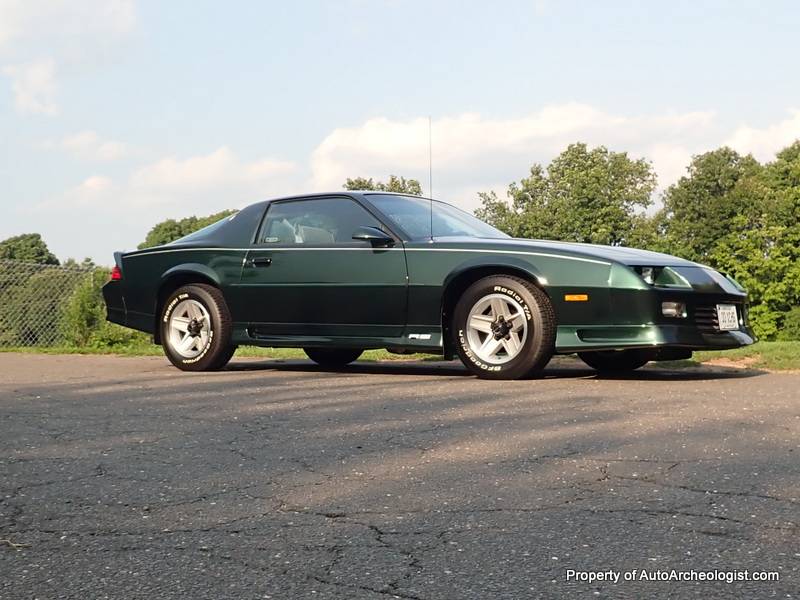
(617, 361)
(196, 328)
(333, 357)
(504, 328)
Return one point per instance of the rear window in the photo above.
(205, 231)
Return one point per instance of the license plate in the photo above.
(727, 317)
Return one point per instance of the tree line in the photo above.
(729, 211)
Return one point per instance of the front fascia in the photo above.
(637, 320)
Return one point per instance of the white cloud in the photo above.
(470, 150)
(670, 161)
(185, 186)
(87, 145)
(92, 190)
(64, 32)
(765, 142)
(48, 19)
(217, 170)
(34, 86)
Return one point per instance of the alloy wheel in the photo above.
(189, 328)
(496, 328)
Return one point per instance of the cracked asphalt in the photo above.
(125, 478)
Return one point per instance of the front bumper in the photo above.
(633, 317)
(604, 337)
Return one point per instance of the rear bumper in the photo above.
(118, 312)
(604, 337)
(115, 303)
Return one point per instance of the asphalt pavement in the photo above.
(125, 478)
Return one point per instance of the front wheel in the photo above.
(617, 361)
(333, 357)
(504, 328)
(196, 328)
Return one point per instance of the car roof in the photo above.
(338, 193)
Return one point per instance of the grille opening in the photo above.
(706, 320)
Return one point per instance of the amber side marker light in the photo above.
(576, 297)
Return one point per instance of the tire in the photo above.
(196, 328)
(617, 361)
(333, 357)
(226, 357)
(495, 348)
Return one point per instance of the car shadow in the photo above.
(456, 369)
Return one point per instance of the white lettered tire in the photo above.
(196, 328)
(504, 328)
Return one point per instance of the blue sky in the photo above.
(117, 113)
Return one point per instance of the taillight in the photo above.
(116, 273)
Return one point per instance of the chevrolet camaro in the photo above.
(339, 273)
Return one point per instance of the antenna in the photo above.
(430, 158)
(430, 169)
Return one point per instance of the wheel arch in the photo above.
(176, 277)
(465, 275)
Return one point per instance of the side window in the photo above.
(314, 222)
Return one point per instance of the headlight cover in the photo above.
(735, 283)
(662, 277)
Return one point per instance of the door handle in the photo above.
(259, 261)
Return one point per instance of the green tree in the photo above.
(171, 230)
(699, 208)
(760, 245)
(86, 263)
(28, 247)
(395, 184)
(584, 195)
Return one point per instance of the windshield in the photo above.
(413, 215)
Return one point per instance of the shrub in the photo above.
(790, 331)
(84, 322)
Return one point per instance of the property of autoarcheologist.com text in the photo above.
(612, 576)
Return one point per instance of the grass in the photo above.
(778, 356)
(244, 351)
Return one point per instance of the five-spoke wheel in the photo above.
(189, 328)
(497, 328)
(504, 328)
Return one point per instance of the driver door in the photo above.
(306, 276)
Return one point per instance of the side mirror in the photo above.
(373, 235)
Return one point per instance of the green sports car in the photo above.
(339, 273)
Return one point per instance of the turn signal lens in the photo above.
(116, 273)
(673, 309)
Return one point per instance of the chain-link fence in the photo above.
(33, 300)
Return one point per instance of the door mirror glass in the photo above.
(373, 235)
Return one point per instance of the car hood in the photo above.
(626, 256)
